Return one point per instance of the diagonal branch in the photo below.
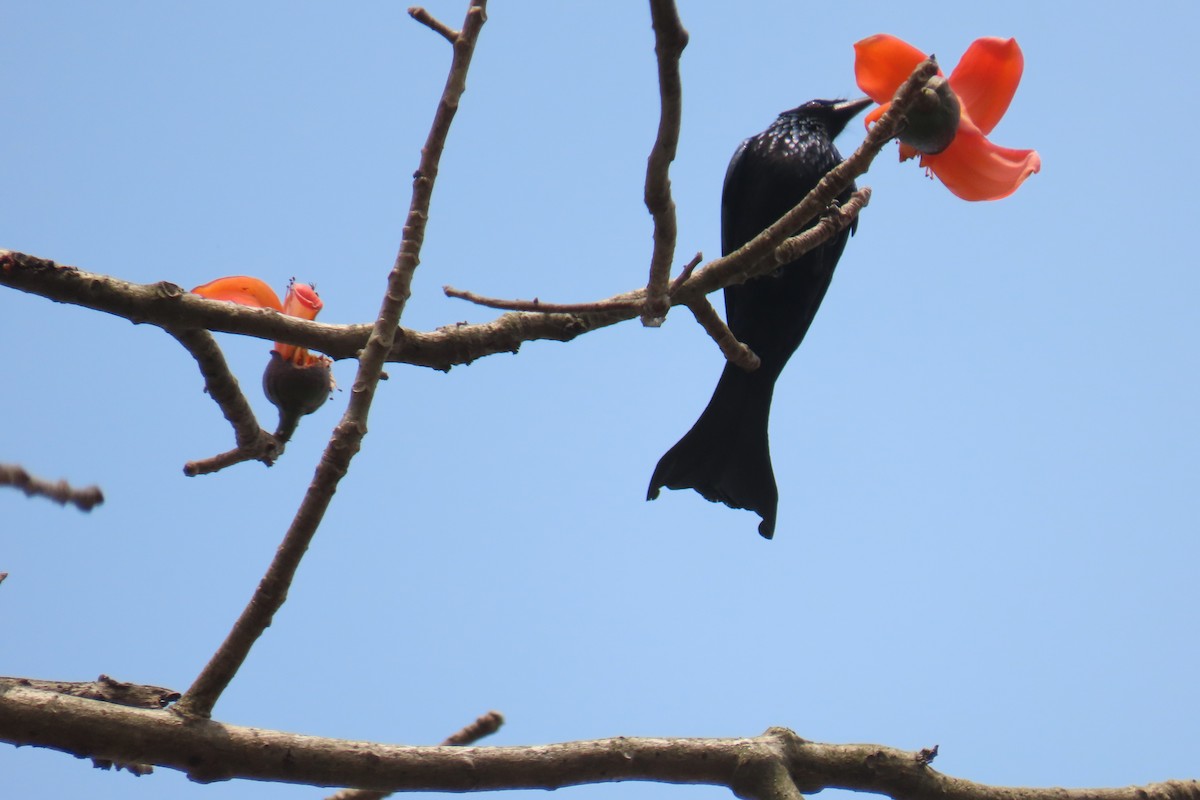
(670, 38)
(347, 437)
(733, 350)
(253, 443)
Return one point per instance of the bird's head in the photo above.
(834, 113)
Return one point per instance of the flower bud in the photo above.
(296, 390)
(932, 121)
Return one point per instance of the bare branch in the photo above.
(347, 438)
(537, 306)
(106, 690)
(756, 767)
(686, 272)
(670, 38)
(483, 726)
(428, 20)
(736, 352)
(838, 219)
(61, 492)
(253, 443)
(733, 350)
(267, 450)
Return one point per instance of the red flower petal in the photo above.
(302, 301)
(882, 62)
(241, 289)
(986, 79)
(975, 169)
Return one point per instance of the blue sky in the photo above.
(986, 447)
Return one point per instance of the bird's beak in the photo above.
(849, 109)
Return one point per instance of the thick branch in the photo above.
(210, 751)
(347, 437)
(670, 38)
(61, 492)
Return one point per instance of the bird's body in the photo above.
(726, 456)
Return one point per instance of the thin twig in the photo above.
(734, 351)
(686, 272)
(267, 451)
(670, 38)
(537, 306)
(253, 443)
(347, 438)
(433, 23)
(61, 492)
(483, 726)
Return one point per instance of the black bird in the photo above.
(725, 456)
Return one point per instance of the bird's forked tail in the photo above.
(726, 456)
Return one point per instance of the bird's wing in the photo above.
(735, 178)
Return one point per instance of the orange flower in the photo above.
(300, 301)
(985, 81)
(295, 381)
